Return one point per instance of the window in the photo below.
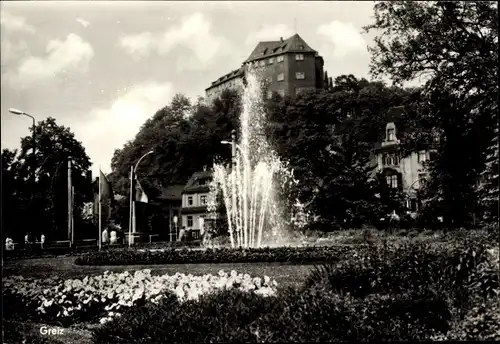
(190, 200)
(202, 182)
(300, 75)
(262, 63)
(280, 58)
(413, 204)
(299, 57)
(271, 60)
(190, 221)
(392, 181)
(203, 200)
(390, 159)
(391, 134)
(281, 92)
(422, 156)
(280, 77)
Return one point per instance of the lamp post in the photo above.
(22, 113)
(132, 198)
(33, 174)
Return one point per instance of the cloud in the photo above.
(12, 23)
(344, 36)
(107, 129)
(72, 53)
(139, 45)
(193, 33)
(269, 33)
(12, 51)
(83, 22)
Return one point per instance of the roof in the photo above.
(229, 76)
(269, 48)
(193, 187)
(171, 193)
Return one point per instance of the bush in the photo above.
(232, 316)
(295, 255)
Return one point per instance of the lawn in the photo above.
(284, 274)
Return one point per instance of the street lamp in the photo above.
(22, 113)
(132, 203)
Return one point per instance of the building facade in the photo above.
(195, 197)
(170, 204)
(406, 173)
(287, 67)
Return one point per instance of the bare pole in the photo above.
(70, 203)
(131, 205)
(72, 215)
(100, 210)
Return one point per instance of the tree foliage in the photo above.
(454, 46)
(35, 198)
(328, 137)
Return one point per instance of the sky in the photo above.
(102, 68)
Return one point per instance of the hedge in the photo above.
(295, 255)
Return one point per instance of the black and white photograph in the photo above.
(249, 171)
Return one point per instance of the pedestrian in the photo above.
(26, 240)
(181, 233)
(9, 244)
(113, 239)
(105, 238)
(42, 240)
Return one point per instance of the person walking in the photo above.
(26, 240)
(105, 238)
(42, 240)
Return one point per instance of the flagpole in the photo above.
(100, 220)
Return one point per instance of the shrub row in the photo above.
(297, 255)
(51, 252)
(308, 316)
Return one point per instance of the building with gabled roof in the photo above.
(287, 67)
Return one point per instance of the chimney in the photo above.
(281, 39)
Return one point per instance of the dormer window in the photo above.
(391, 134)
(202, 182)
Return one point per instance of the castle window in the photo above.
(299, 57)
(190, 200)
(190, 221)
(203, 200)
(280, 77)
(391, 134)
(280, 58)
(422, 156)
(300, 75)
(392, 181)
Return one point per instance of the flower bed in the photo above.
(107, 295)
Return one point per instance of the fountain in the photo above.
(252, 190)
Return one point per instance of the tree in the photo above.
(454, 45)
(328, 138)
(43, 202)
(184, 138)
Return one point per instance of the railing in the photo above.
(91, 243)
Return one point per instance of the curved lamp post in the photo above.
(132, 203)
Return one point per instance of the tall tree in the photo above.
(41, 202)
(454, 46)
